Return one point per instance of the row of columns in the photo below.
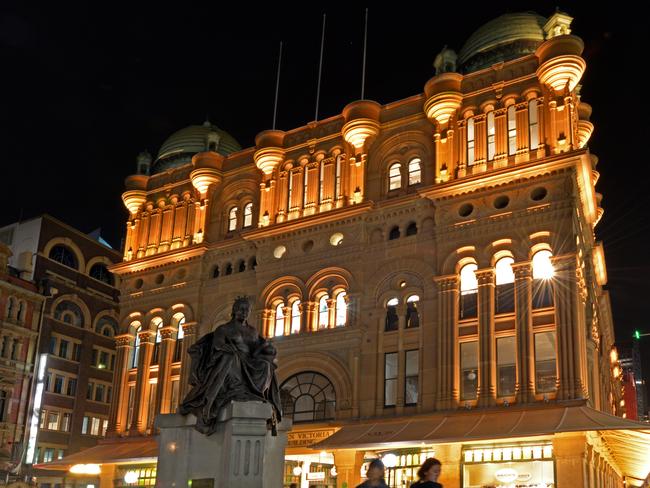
(118, 413)
(571, 342)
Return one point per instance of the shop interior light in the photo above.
(85, 469)
(390, 460)
(131, 477)
(297, 471)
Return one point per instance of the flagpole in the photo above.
(363, 70)
(320, 67)
(277, 87)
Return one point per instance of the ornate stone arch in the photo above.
(393, 268)
(150, 316)
(85, 311)
(69, 243)
(450, 264)
(106, 313)
(277, 287)
(183, 308)
(102, 260)
(326, 364)
(340, 277)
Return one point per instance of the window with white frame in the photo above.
(470, 142)
(512, 130)
(491, 145)
(232, 219)
(279, 320)
(395, 176)
(468, 291)
(248, 215)
(505, 286)
(341, 309)
(323, 312)
(295, 317)
(533, 126)
(415, 171)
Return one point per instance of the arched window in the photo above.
(395, 176)
(295, 317)
(290, 189)
(178, 320)
(70, 313)
(412, 229)
(323, 312)
(136, 345)
(468, 291)
(394, 233)
(305, 185)
(491, 146)
(321, 181)
(241, 266)
(156, 323)
(543, 272)
(470, 142)
(22, 309)
(415, 171)
(11, 307)
(412, 315)
(232, 219)
(106, 326)
(252, 263)
(505, 286)
(248, 215)
(100, 272)
(215, 272)
(279, 320)
(65, 256)
(308, 397)
(512, 130)
(533, 128)
(392, 320)
(228, 269)
(341, 309)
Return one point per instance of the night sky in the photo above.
(85, 90)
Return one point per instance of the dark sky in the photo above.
(85, 90)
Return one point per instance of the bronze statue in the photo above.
(233, 363)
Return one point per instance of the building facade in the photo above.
(427, 269)
(75, 349)
(20, 319)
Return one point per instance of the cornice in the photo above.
(159, 260)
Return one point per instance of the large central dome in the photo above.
(179, 148)
(502, 39)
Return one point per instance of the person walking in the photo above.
(428, 474)
(375, 475)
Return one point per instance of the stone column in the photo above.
(119, 403)
(189, 337)
(286, 311)
(147, 338)
(331, 313)
(163, 390)
(524, 332)
(487, 386)
(446, 339)
(569, 451)
(348, 467)
(569, 330)
(310, 324)
(267, 323)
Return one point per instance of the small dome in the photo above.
(179, 148)
(502, 39)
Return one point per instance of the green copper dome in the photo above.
(502, 39)
(179, 148)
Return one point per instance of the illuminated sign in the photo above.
(506, 475)
(36, 409)
(318, 476)
(308, 437)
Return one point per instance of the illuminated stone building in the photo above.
(71, 368)
(427, 268)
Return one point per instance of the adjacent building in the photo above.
(72, 387)
(21, 306)
(427, 269)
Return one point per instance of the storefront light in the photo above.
(527, 451)
(516, 453)
(537, 452)
(548, 451)
(85, 469)
(131, 477)
(390, 460)
(468, 457)
(496, 455)
(297, 471)
(478, 456)
(487, 455)
(507, 454)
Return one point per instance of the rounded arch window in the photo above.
(136, 344)
(415, 171)
(248, 215)
(341, 309)
(157, 323)
(468, 292)
(394, 233)
(505, 285)
(392, 320)
(232, 219)
(106, 326)
(279, 320)
(395, 176)
(64, 255)
(412, 314)
(100, 272)
(69, 312)
(323, 312)
(295, 317)
(504, 273)
(178, 320)
(308, 397)
(542, 265)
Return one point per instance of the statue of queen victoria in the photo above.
(232, 363)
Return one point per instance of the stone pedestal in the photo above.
(242, 453)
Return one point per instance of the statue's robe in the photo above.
(227, 367)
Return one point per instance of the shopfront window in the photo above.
(308, 397)
(469, 370)
(545, 362)
(130, 475)
(506, 369)
(518, 466)
(402, 466)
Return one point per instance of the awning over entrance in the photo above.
(464, 426)
(123, 450)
